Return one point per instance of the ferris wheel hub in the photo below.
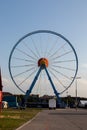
(42, 62)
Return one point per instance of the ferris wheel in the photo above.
(43, 62)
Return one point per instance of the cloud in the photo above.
(4, 80)
(84, 65)
(84, 82)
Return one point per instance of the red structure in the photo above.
(0, 91)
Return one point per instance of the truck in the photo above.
(82, 104)
(52, 104)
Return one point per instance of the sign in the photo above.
(0, 81)
(0, 96)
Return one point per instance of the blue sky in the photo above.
(67, 17)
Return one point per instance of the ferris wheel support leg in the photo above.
(32, 84)
(55, 91)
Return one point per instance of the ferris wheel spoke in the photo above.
(25, 53)
(56, 51)
(63, 61)
(27, 60)
(61, 67)
(35, 47)
(19, 66)
(52, 48)
(68, 52)
(57, 79)
(46, 50)
(27, 77)
(40, 46)
(31, 50)
(61, 73)
(38, 85)
(23, 72)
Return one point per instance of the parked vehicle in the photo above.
(82, 104)
(52, 104)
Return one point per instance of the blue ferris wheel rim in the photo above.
(37, 32)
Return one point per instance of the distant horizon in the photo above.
(43, 95)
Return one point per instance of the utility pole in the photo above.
(76, 90)
(0, 91)
(76, 102)
(67, 97)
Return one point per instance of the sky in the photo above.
(66, 17)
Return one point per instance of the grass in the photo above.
(10, 119)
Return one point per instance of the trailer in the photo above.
(52, 104)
